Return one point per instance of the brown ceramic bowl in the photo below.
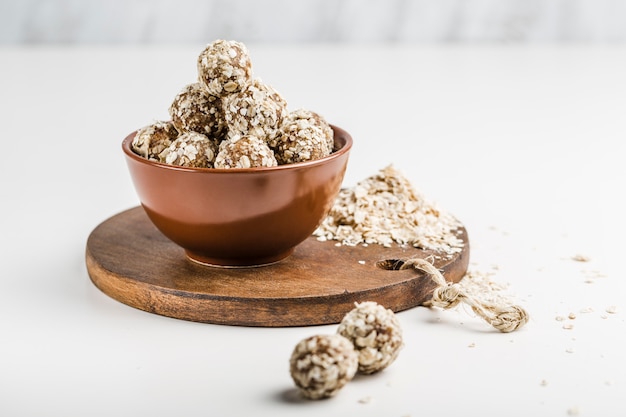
(239, 217)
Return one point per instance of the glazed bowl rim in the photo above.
(126, 146)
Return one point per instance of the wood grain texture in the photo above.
(131, 261)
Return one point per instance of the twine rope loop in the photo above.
(504, 317)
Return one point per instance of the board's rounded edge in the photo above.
(267, 312)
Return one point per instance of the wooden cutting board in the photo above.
(131, 261)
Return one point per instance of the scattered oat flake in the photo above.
(569, 350)
(559, 318)
(586, 310)
(480, 285)
(573, 411)
(543, 383)
(362, 262)
(471, 345)
(571, 316)
(580, 258)
(592, 276)
(365, 400)
(611, 309)
(568, 326)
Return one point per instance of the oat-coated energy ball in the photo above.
(149, 141)
(195, 110)
(321, 365)
(224, 67)
(375, 333)
(256, 110)
(244, 152)
(304, 136)
(191, 149)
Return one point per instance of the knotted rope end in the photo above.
(503, 317)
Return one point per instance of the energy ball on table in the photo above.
(321, 365)
(224, 67)
(304, 136)
(191, 149)
(149, 141)
(195, 110)
(256, 110)
(375, 333)
(244, 152)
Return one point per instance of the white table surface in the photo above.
(525, 145)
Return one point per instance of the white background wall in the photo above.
(198, 21)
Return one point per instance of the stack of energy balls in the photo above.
(229, 119)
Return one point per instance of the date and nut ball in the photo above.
(195, 110)
(227, 104)
(256, 110)
(375, 333)
(321, 365)
(224, 67)
(244, 152)
(304, 136)
(191, 149)
(151, 140)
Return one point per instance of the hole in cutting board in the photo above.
(390, 264)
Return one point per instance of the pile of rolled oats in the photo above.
(227, 105)
(386, 209)
(368, 340)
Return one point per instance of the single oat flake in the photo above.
(581, 258)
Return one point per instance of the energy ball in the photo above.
(195, 110)
(244, 152)
(191, 149)
(149, 141)
(256, 110)
(224, 67)
(321, 365)
(304, 136)
(375, 333)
